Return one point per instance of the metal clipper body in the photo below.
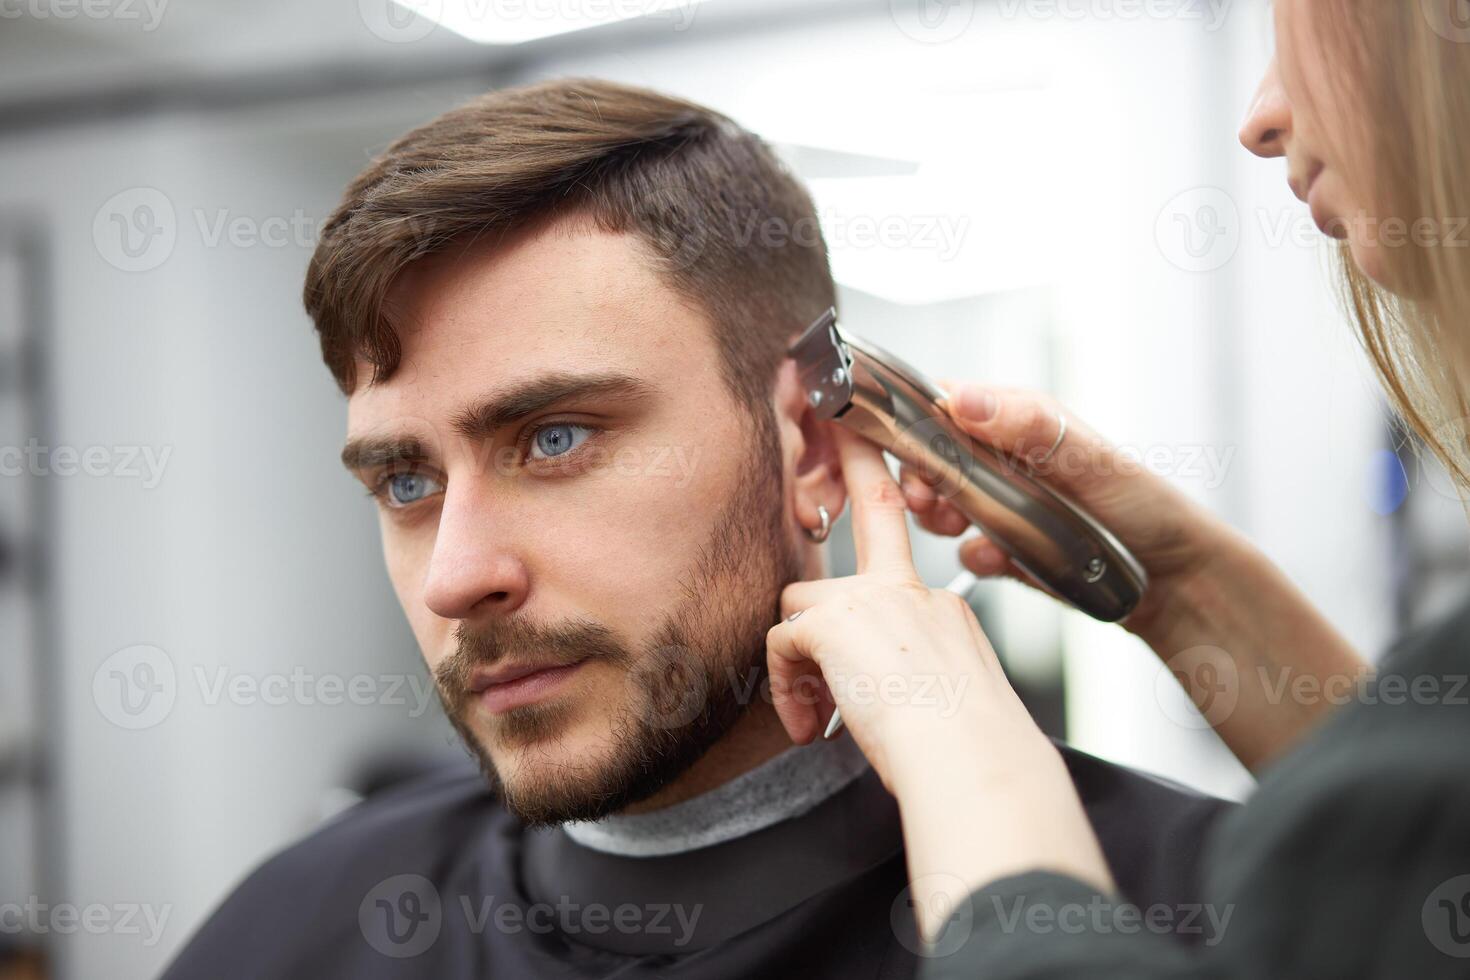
(877, 395)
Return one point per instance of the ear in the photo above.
(817, 477)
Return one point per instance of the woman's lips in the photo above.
(498, 698)
(1327, 222)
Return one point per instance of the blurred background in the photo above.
(202, 658)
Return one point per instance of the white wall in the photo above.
(253, 556)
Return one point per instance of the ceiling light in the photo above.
(518, 21)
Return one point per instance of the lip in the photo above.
(1304, 193)
(512, 686)
(1328, 223)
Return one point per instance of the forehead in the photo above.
(561, 296)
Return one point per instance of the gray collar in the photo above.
(780, 788)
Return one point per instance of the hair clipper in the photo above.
(885, 400)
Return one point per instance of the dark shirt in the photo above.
(1352, 860)
(437, 879)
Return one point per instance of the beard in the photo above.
(696, 676)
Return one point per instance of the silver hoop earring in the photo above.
(820, 535)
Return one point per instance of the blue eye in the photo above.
(558, 439)
(402, 489)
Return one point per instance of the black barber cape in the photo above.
(435, 879)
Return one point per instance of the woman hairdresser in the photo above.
(1353, 857)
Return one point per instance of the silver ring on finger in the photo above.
(1061, 434)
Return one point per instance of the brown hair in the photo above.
(1404, 67)
(700, 193)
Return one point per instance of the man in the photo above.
(561, 331)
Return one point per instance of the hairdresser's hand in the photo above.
(922, 692)
(908, 665)
(1174, 538)
(1216, 607)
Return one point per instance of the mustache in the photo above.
(523, 641)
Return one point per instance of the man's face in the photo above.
(588, 535)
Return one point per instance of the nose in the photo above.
(471, 573)
(1268, 124)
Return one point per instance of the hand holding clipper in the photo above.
(1047, 535)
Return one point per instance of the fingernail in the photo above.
(833, 724)
(976, 404)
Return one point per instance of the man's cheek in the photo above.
(400, 578)
(600, 716)
(406, 569)
(625, 550)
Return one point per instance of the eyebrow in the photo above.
(482, 420)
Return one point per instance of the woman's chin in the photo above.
(1368, 258)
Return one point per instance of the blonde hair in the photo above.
(1404, 69)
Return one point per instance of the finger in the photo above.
(943, 518)
(986, 559)
(930, 504)
(931, 508)
(1025, 426)
(909, 475)
(880, 529)
(796, 682)
(802, 595)
(918, 493)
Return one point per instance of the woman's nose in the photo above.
(1268, 123)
